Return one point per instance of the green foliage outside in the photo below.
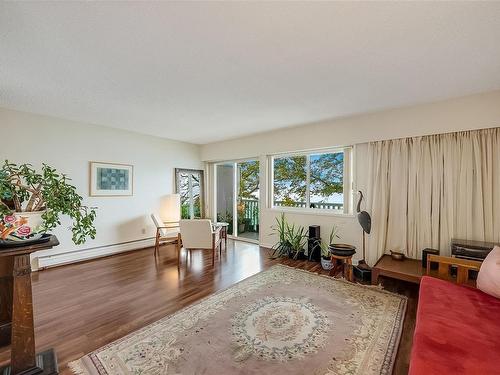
(249, 179)
(290, 177)
(185, 209)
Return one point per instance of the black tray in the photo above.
(9, 244)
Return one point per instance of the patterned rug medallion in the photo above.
(280, 321)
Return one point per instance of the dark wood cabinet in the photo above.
(16, 312)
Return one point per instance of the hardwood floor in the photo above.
(83, 306)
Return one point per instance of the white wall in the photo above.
(69, 146)
(467, 113)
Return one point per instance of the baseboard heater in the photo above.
(91, 253)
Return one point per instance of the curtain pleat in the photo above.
(424, 191)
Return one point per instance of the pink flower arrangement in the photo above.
(9, 219)
(23, 230)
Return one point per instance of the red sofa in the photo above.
(457, 331)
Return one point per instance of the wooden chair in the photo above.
(463, 267)
(200, 234)
(164, 234)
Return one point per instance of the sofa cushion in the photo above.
(457, 330)
(488, 279)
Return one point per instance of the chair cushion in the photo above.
(457, 330)
(488, 279)
(196, 234)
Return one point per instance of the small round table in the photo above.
(342, 264)
(223, 231)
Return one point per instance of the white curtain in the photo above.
(424, 191)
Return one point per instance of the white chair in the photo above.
(199, 234)
(164, 233)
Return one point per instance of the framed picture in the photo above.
(108, 179)
(189, 183)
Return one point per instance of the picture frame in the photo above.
(190, 184)
(110, 179)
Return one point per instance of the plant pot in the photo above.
(326, 263)
(241, 228)
(300, 256)
(342, 249)
(21, 226)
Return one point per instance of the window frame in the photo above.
(348, 182)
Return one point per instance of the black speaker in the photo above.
(314, 231)
(426, 252)
(314, 249)
(362, 274)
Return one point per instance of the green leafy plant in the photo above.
(23, 189)
(281, 247)
(297, 238)
(291, 238)
(334, 234)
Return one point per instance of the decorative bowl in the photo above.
(397, 256)
(341, 249)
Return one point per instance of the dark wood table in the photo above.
(16, 312)
(410, 270)
(407, 270)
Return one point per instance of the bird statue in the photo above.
(365, 221)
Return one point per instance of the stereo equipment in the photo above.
(467, 249)
(314, 243)
(314, 231)
(314, 249)
(364, 274)
(426, 252)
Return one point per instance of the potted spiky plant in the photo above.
(326, 260)
(32, 203)
(297, 238)
(282, 247)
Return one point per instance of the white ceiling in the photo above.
(202, 72)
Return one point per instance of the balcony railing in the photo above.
(323, 206)
(251, 212)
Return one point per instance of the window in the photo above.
(315, 180)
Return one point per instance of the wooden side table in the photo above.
(410, 270)
(223, 231)
(344, 264)
(16, 312)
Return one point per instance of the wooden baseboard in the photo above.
(87, 254)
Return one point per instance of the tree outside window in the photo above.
(313, 180)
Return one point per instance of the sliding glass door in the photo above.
(248, 199)
(237, 193)
(225, 194)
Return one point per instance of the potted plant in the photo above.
(31, 204)
(326, 260)
(226, 218)
(297, 239)
(291, 239)
(282, 247)
(241, 216)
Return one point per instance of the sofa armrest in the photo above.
(463, 267)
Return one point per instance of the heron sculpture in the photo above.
(366, 223)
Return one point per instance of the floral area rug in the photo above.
(280, 321)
